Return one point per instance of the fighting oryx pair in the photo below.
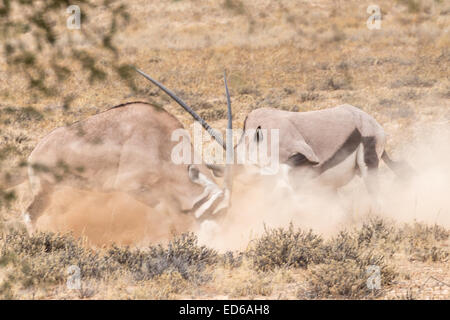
(128, 148)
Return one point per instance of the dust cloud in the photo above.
(423, 197)
(426, 197)
(104, 218)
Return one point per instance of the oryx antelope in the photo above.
(331, 146)
(126, 148)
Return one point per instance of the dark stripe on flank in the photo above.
(347, 148)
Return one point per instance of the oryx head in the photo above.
(214, 199)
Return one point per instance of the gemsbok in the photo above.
(329, 146)
(126, 148)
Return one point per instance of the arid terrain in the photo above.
(291, 55)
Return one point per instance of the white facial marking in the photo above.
(211, 190)
(224, 203)
(214, 195)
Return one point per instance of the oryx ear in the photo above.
(258, 134)
(303, 155)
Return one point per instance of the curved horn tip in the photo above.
(187, 108)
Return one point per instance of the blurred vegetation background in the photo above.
(38, 44)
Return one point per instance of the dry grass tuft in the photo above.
(414, 6)
(182, 255)
(337, 268)
(352, 255)
(421, 242)
(258, 286)
(346, 268)
(237, 6)
(44, 259)
(285, 248)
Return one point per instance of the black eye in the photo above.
(258, 134)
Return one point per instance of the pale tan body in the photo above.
(126, 148)
(318, 135)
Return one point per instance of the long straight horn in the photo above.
(194, 115)
(229, 143)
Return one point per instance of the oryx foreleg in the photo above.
(367, 161)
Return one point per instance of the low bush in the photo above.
(182, 255)
(285, 248)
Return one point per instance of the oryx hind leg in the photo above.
(367, 160)
(41, 192)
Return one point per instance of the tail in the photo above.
(401, 168)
